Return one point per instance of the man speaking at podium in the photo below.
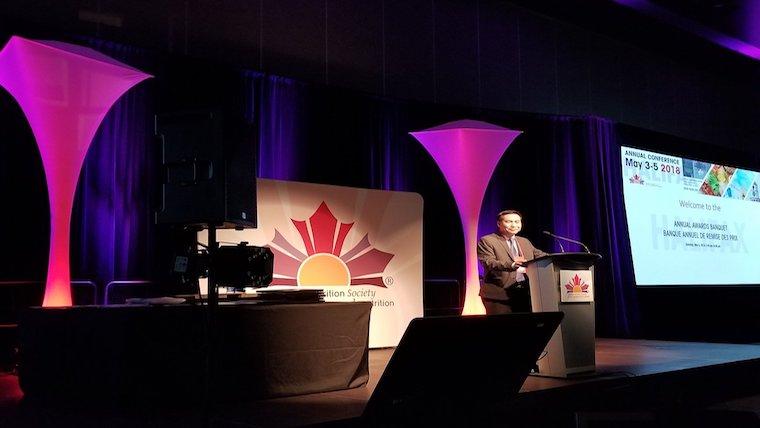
(504, 288)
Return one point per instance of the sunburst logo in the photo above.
(322, 261)
(636, 179)
(576, 285)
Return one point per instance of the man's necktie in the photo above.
(513, 248)
(516, 253)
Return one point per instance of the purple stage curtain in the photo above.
(588, 205)
(277, 107)
(325, 134)
(564, 183)
(617, 298)
(113, 231)
(388, 169)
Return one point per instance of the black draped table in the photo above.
(148, 353)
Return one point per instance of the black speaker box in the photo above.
(208, 171)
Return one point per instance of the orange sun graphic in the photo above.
(576, 285)
(323, 263)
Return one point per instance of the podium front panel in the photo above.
(578, 334)
(571, 349)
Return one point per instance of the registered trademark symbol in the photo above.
(388, 280)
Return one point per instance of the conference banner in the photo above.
(690, 222)
(355, 244)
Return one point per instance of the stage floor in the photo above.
(618, 361)
(655, 373)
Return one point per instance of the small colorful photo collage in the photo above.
(754, 190)
(740, 185)
(695, 169)
(716, 182)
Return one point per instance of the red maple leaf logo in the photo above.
(636, 179)
(576, 285)
(324, 263)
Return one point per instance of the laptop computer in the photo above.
(453, 369)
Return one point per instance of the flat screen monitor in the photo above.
(691, 222)
(454, 368)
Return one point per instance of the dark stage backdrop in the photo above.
(113, 232)
(563, 173)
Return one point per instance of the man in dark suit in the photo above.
(505, 286)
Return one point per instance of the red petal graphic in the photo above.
(375, 280)
(301, 227)
(344, 228)
(323, 224)
(283, 243)
(358, 248)
(373, 261)
(284, 264)
(284, 281)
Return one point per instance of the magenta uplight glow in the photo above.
(65, 92)
(663, 14)
(467, 152)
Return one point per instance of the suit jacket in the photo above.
(494, 255)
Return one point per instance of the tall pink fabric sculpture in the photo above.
(65, 92)
(467, 152)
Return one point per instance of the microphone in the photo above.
(561, 248)
(546, 232)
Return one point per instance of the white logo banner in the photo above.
(355, 244)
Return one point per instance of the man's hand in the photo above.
(519, 260)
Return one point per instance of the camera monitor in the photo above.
(454, 368)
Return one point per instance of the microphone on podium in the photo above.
(561, 248)
(563, 238)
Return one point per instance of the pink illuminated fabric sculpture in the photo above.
(467, 152)
(65, 92)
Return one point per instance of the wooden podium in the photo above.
(564, 282)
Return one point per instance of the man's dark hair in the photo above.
(505, 212)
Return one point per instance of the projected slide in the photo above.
(691, 222)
